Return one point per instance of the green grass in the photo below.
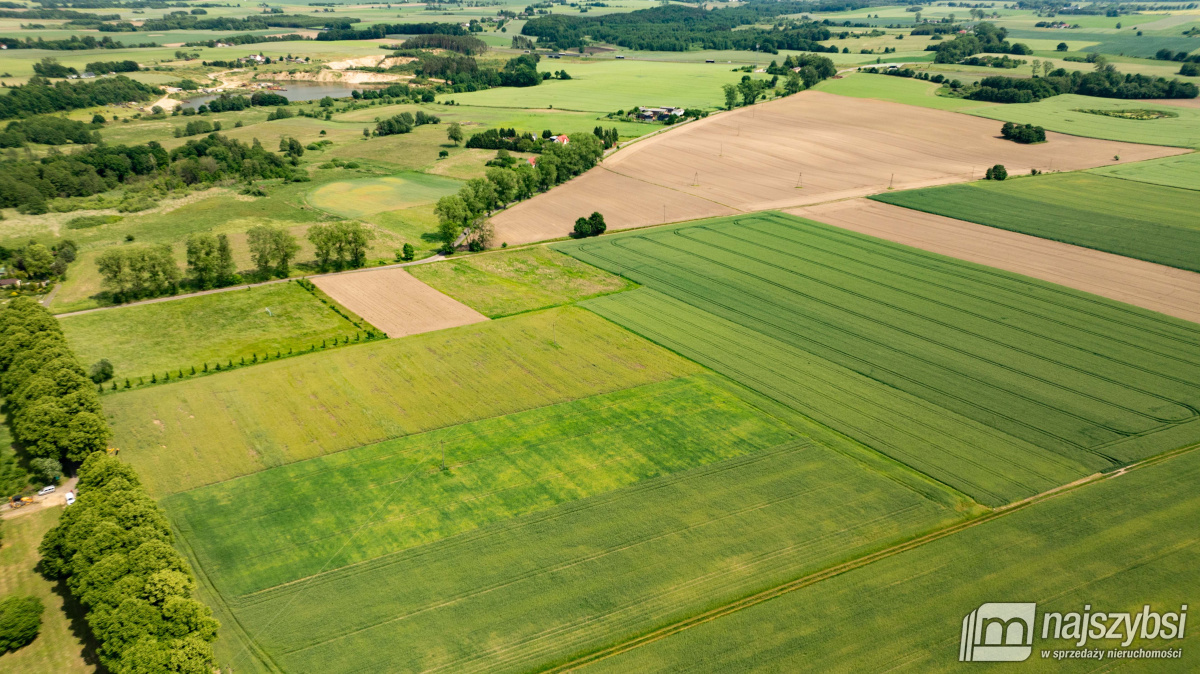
(1179, 171)
(152, 338)
(1114, 546)
(59, 646)
(183, 435)
(1060, 113)
(371, 501)
(510, 282)
(1126, 217)
(356, 198)
(610, 85)
(520, 594)
(895, 89)
(998, 385)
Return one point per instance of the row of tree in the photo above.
(1105, 82)
(113, 548)
(73, 43)
(467, 211)
(53, 409)
(463, 44)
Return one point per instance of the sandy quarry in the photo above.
(1171, 291)
(754, 158)
(396, 302)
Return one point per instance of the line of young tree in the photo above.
(466, 212)
(53, 409)
(113, 548)
(38, 96)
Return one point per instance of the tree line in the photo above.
(113, 548)
(1105, 82)
(465, 211)
(53, 409)
(463, 44)
(985, 37)
(381, 30)
(73, 43)
(49, 130)
(39, 96)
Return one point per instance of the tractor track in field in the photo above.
(812, 579)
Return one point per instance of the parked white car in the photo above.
(48, 489)
(70, 497)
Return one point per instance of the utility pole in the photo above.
(696, 180)
(443, 444)
(664, 212)
(891, 181)
(800, 181)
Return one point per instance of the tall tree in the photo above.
(455, 133)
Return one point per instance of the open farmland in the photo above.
(904, 90)
(1140, 220)
(395, 302)
(1063, 114)
(578, 575)
(496, 469)
(996, 384)
(1167, 290)
(182, 435)
(1181, 171)
(511, 282)
(148, 338)
(803, 149)
(1115, 545)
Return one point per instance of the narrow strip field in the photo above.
(1113, 546)
(1181, 171)
(1167, 290)
(803, 149)
(183, 435)
(395, 302)
(510, 282)
(1126, 217)
(151, 338)
(996, 384)
(579, 575)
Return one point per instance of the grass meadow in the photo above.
(496, 469)
(998, 385)
(183, 435)
(1063, 114)
(1180, 171)
(581, 574)
(151, 338)
(356, 198)
(895, 89)
(60, 645)
(512, 282)
(1116, 545)
(1127, 217)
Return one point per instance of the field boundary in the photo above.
(812, 579)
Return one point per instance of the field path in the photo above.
(1167, 290)
(804, 149)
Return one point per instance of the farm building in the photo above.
(659, 114)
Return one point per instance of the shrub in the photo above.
(592, 225)
(101, 371)
(20, 622)
(997, 172)
(1023, 133)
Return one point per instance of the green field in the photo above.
(1061, 113)
(371, 501)
(895, 89)
(511, 282)
(183, 435)
(152, 338)
(1179, 171)
(610, 85)
(523, 593)
(357, 198)
(1114, 546)
(998, 385)
(1126, 217)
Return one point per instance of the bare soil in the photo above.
(1167, 290)
(396, 302)
(804, 149)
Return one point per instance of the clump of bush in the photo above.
(1023, 133)
(20, 622)
(592, 225)
(997, 172)
(86, 221)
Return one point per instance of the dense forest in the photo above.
(39, 96)
(680, 28)
(1106, 83)
(463, 44)
(185, 21)
(986, 37)
(382, 30)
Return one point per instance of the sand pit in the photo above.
(1171, 291)
(755, 158)
(396, 302)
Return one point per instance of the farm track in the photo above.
(861, 562)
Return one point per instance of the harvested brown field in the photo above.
(803, 149)
(396, 302)
(1167, 290)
